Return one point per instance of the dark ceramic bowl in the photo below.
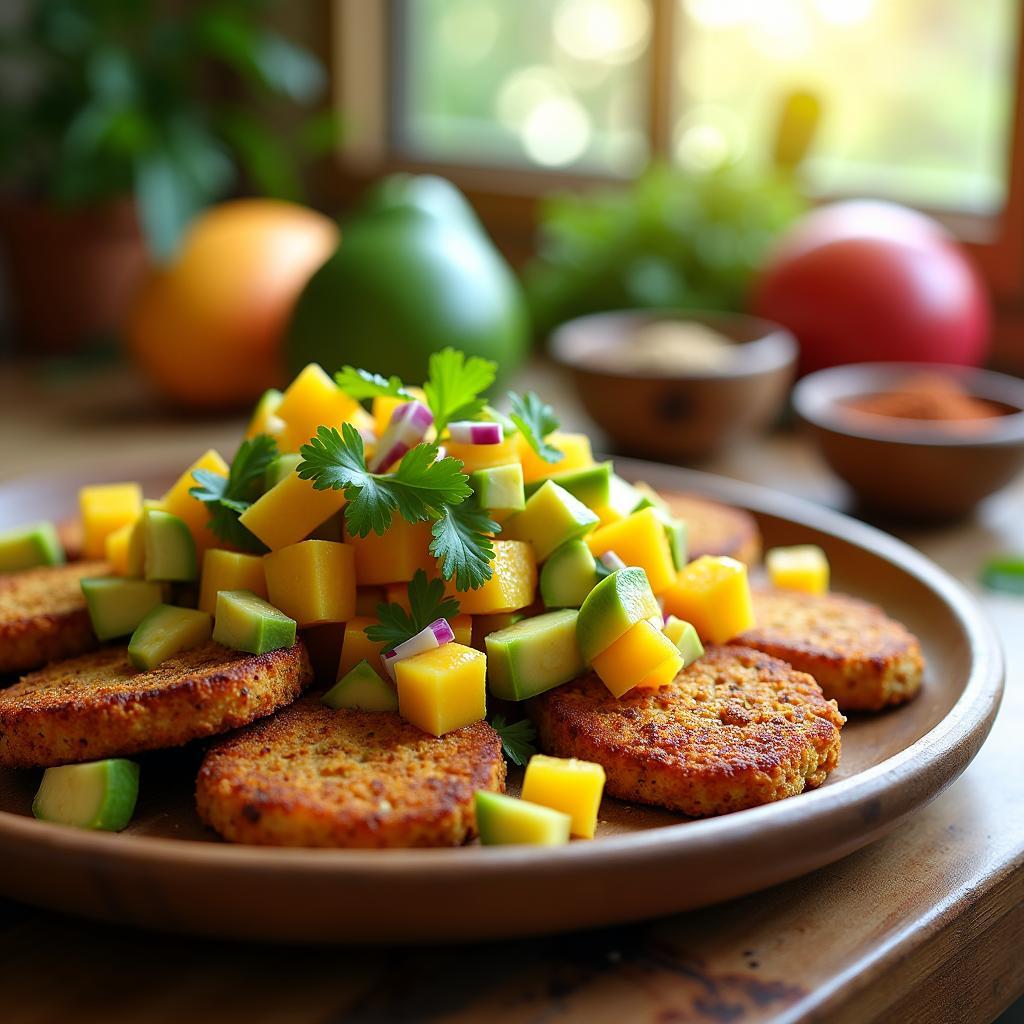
(905, 468)
(679, 417)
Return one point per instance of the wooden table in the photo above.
(926, 925)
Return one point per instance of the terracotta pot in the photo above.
(71, 273)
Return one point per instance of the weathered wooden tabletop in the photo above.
(926, 925)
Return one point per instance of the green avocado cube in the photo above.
(117, 606)
(618, 602)
(165, 632)
(551, 517)
(97, 795)
(533, 655)
(500, 487)
(25, 547)
(684, 636)
(503, 821)
(363, 689)
(246, 622)
(592, 485)
(169, 550)
(568, 575)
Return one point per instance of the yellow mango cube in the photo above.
(312, 400)
(575, 449)
(357, 646)
(313, 581)
(180, 503)
(229, 570)
(484, 456)
(713, 594)
(567, 785)
(395, 555)
(117, 544)
(512, 585)
(638, 540)
(104, 509)
(443, 689)
(802, 567)
(462, 627)
(642, 656)
(290, 511)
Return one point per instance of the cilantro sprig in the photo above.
(535, 420)
(226, 498)
(427, 603)
(361, 384)
(461, 542)
(517, 738)
(456, 385)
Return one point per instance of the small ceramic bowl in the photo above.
(911, 469)
(678, 416)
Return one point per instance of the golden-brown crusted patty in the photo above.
(312, 776)
(97, 705)
(43, 615)
(715, 529)
(860, 657)
(735, 729)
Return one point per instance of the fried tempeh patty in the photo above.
(860, 657)
(43, 616)
(312, 776)
(736, 729)
(715, 529)
(97, 705)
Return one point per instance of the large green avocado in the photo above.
(415, 272)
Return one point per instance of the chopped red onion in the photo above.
(472, 432)
(437, 634)
(408, 425)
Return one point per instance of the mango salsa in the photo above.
(394, 556)
(313, 581)
(443, 689)
(714, 595)
(290, 511)
(229, 570)
(512, 585)
(104, 509)
(643, 656)
(357, 647)
(180, 503)
(484, 456)
(575, 449)
(312, 400)
(567, 785)
(803, 567)
(639, 540)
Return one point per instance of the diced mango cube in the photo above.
(180, 503)
(802, 567)
(117, 545)
(313, 581)
(642, 656)
(712, 593)
(567, 785)
(229, 570)
(290, 511)
(575, 449)
(442, 689)
(512, 585)
(310, 400)
(638, 540)
(106, 508)
(395, 555)
(462, 627)
(484, 456)
(357, 646)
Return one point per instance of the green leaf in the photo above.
(456, 385)
(289, 69)
(427, 602)
(517, 738)
(462, 545)
(535, 420)
(361, 384)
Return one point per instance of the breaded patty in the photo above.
(97, 705)
(43, 615)
(312, 776)
(735, 729)
(860, 657)
(714, 529)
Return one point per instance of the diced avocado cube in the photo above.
(362, 688)
(592, 485)
(623, 498)
(485, 625)
(551, 517)
(619, 601)
(97, 795)
(284, 465)
(170, 551)
(568, 575)
(500, 487)
(504, 821)
(533, 655)
(246, 622)
(685, 637)
(26, 547)
(116, 605)
(165, 632)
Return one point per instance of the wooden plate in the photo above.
(166, 872)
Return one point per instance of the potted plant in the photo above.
(130, 116)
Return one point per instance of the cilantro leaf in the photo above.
(535, 420)
(516, 738)
(226, 498)
(361, 384)
(460, 542)
(428, 603)
(456, 385)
